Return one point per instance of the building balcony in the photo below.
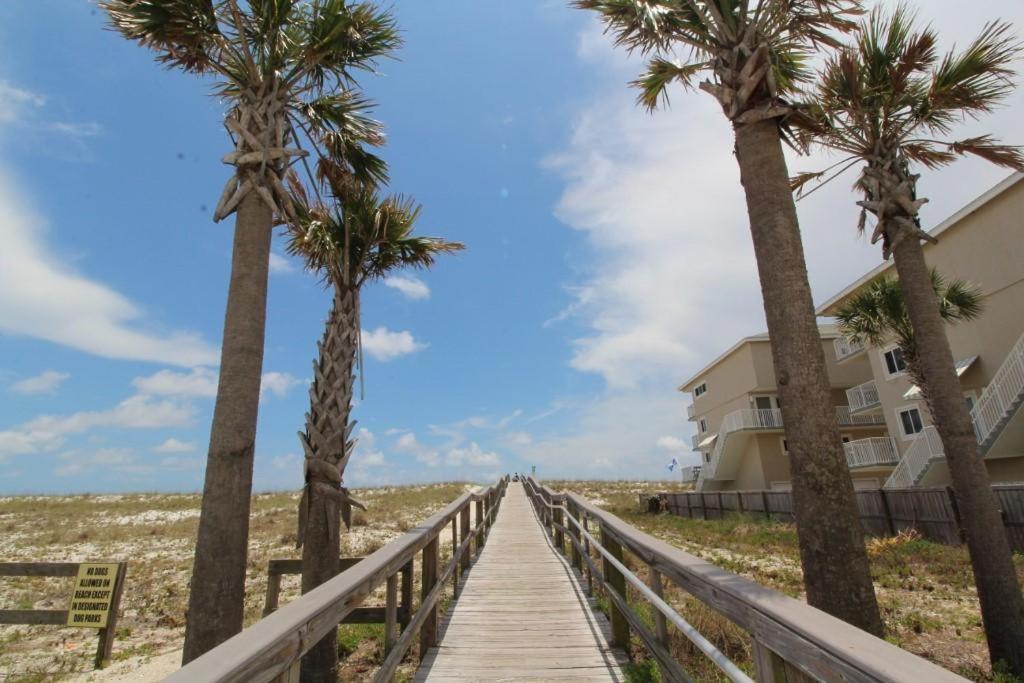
(863, 397)
(691, 414)
(846, 418)
(846, 347)
(875, 451)
(696, 439)
(690, 474)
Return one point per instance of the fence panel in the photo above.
(930, 512)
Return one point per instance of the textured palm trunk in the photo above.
(217, 589)
(837, 575)
(327, 445)
(1002, 606)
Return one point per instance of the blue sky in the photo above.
(608, 256)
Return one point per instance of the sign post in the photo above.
(95, 601)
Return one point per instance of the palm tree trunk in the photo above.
(326, 443)
(217, 592)
(1002, 606)
(837, 575)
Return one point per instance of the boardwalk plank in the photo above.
(521, 614)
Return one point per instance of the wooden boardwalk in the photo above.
(521, 614)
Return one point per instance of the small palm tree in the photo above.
(361, 238)
(284, 71)
(753, 54)
(889, 102)
(878, 313)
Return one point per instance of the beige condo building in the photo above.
(888, 437)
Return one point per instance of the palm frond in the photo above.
(660, 73)
(184, 31)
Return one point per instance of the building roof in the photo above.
(832, 304)
(827, 331)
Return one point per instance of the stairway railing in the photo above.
(272, 648)
(1001, 394)
(790, 640)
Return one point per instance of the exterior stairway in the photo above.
(998, 405)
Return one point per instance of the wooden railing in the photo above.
(790, 640)
(272, 648)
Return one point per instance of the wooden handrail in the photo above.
(790, 637)
(272, 648)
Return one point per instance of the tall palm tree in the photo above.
(361, 238)
(878, 313)
(888, 102)
(283, 69)
(752, 52)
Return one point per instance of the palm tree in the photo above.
(878, 313)
(888, 102)
(362, 238)
(283, 69)
(753, 53)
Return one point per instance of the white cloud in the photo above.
(280, 264)
(382, 344)
(46, 382)
(110, 459)
(42, 297)
(197, 382)
(48, 432)
(672, 443)
(173, 445)
(518, 438)
(16, 103)
(407, 443)
(277, 383)
(473, 456)
(411, 287)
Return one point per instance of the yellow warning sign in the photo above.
(94, 592)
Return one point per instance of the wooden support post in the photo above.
(577, 561)
(464, 523)
(764, 502)
(480, 531)
(390, 613)
(428, 632)
(769, 667)
(105, 647)
(455, 549)
(888, 513)
(586, 548)
(739, 502)
(660, 624)
(617, 582)
(559, 535)
(406, 615)
(703, 506)
(273, 592)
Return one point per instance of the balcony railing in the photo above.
(871, 452)
(1002, 394)
(696, 439)
(846, 347)
(863, 396)
(764, 418)
(690, 412)
(925, 449)
(691, 473)
(847, 419)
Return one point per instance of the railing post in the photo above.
(464, 523)
(558, 522)
(480, 531)
(455, 549)
(428, 632)
(660, 624)
(390, 613)
(574, 513)
(405, 616)
(585, 521)
(617, 582)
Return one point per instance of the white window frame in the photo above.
(899, 421)
(773, 401)
(885, 364)
(700, 390)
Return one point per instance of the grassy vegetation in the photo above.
(155, 533)
(925, 589)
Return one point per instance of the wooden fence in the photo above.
(272, 648)
(791, 642)
(932, 512)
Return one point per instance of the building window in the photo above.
(700, 389)
(707, 457)
(785, 446)
(845, 438)
(894, 363)
(910, 421)
(703, 425)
